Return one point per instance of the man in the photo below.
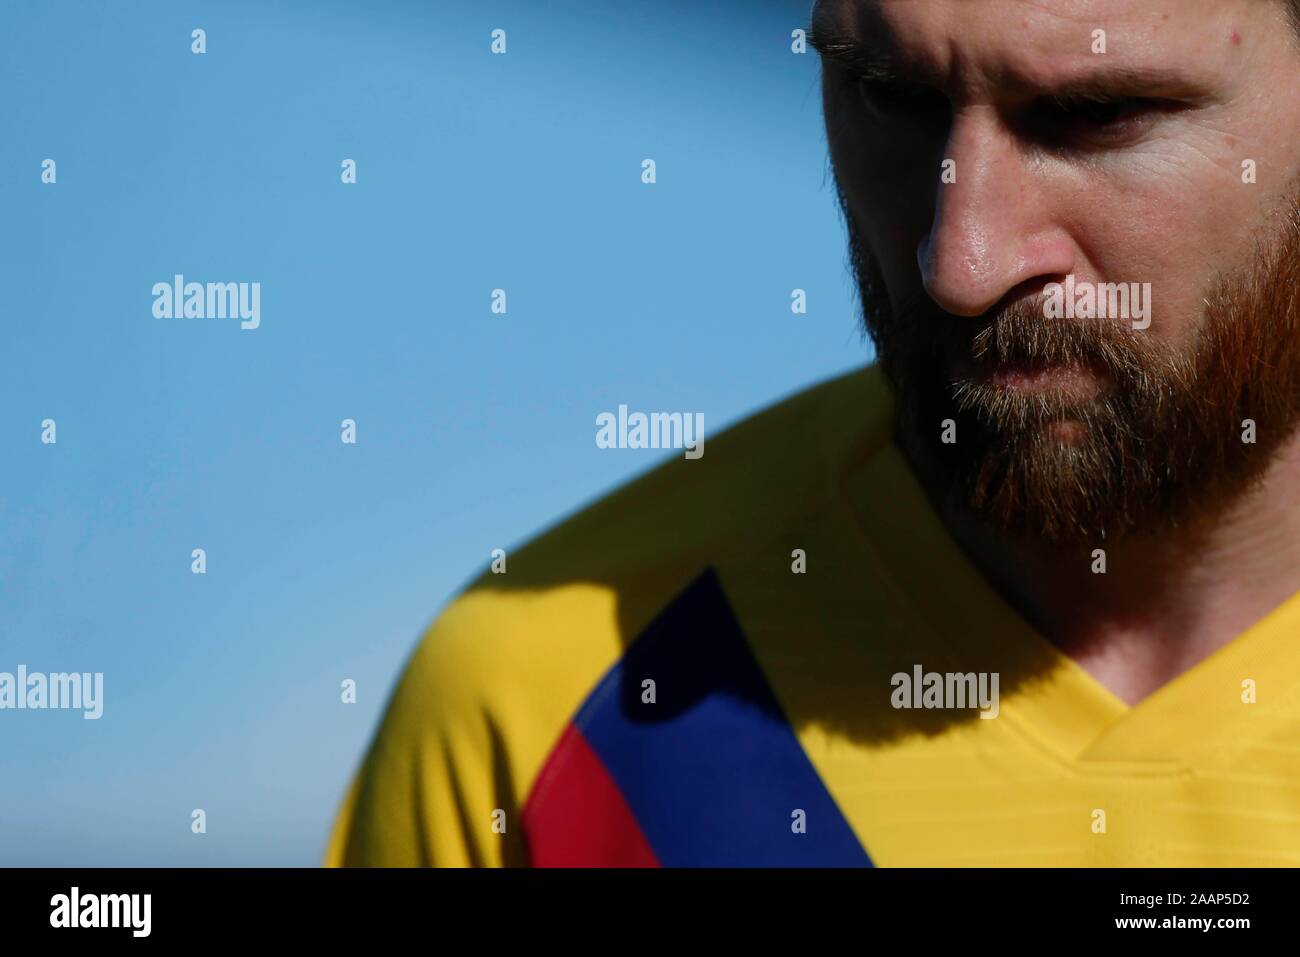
(1026, 593)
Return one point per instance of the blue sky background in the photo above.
(475, 431)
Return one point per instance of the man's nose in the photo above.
(993, 228)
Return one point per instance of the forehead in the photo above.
(1039, 40)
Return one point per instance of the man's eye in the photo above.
(1064, 119)
(898, 100)
(1102, 112)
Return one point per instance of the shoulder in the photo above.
(613, 563)
(497, 677)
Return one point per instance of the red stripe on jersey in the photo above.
(577, 817)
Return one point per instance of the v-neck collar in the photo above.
(1050, 697)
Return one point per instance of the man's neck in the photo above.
(1163, 603)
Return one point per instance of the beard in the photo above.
(1168, 438)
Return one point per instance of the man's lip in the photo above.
(1079, 377)
(1024, 376)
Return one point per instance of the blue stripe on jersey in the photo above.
(711, 770)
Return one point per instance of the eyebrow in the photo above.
(850, 53)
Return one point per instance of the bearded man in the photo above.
(1024, 592)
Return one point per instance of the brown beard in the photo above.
(1162, 444)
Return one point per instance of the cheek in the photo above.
(1167, 230)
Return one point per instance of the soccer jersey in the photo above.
(748, 659)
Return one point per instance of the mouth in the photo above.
(1077, 380)
(1072, 381)
(1051, 397)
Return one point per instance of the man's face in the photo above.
(984, 149)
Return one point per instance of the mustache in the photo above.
(1020, 334)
